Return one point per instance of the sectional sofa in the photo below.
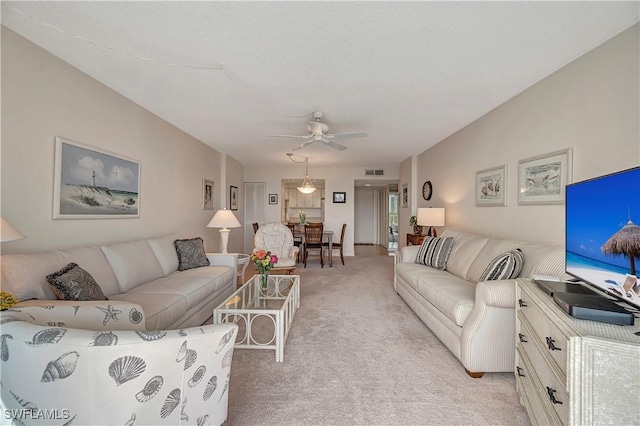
(141, 275)
(475, 320)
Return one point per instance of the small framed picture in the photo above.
(339, 197)
(491, 187)
(405, 195)
(233, 197)
(273, 198)
(207, 194)
(542, 179)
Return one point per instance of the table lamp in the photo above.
(431, 217)
(8, 232)
(224, 219)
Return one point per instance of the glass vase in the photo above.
(264, 281)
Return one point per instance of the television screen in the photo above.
(602, 244)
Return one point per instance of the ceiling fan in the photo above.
(319, 132)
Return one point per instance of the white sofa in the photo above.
(142, 272)
(75, 370)
(475, 320)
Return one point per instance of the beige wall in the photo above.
(590, 105)
(44, 97)
(234, 176)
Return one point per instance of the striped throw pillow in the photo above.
(434, 252)
(504, 267)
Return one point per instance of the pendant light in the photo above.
(307, 186)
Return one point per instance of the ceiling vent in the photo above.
(374, 172)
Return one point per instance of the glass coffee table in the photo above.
(264, 316)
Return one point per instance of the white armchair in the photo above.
(278, 239)
(52, 374)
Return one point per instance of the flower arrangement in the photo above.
(303, 216)
(6, 300)
(264, 261)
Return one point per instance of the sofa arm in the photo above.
(499, 293)
(93, 315)
(223, 259)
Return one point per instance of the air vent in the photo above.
(374, 172)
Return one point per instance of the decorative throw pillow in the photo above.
(191, 253)
(504, 267)
(74, 283)
(434, 252)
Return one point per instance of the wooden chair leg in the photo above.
(341, 256)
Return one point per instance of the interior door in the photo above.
(255, 210)
(383, 217)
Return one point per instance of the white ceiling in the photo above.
(407, 73)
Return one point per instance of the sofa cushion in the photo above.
(165, 251)
(191, 253)
(504, 267)
(24, 275)
(434, 252)
(411, 273)
(133, 263)
(465, 249)
(451, 295)
(74, 283)
(490, 251)
(194, 285)
(160, 309)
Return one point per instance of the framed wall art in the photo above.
(273, 198)
(207, 194)
(405, 195)
(233, 197)
(90, 183)
(542, 179)
(491, 187)
(339, 197)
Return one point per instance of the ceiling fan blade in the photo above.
(307, 143)
(347, 135)
(289, 136)
(335, 145)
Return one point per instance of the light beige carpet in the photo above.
(357, 355)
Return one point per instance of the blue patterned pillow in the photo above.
(504, 267)
(434, 252)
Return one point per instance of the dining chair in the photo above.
(297, 241)
(313, 241)
(339, 245)
(255, 227)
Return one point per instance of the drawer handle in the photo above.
(551, 392)
(522, 303)
(521, 337)
(551, 344)
(519, 371)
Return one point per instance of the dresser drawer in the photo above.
(529, 397)
(555, 342)
(548, 385)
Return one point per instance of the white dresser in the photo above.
(571, 371)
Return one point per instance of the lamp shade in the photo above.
(224, 219)
(8, 232)
(430, 216)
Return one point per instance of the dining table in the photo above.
(328, 235)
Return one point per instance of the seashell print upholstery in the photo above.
(115, 376)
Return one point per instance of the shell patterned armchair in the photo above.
(278, 239)
(54, 372)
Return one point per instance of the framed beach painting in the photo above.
(491, 187)
(339, 197)
(233, 198)
(91, 183)
(542, 179)
(207, 194)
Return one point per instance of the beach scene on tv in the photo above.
(602, 235)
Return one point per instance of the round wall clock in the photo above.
(427, 190)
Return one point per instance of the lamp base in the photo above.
(432, 232)
(224, 236)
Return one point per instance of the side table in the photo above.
(243, 262)
(414, 240)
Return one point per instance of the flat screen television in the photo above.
(602, 241)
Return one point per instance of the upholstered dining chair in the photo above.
(339, 245)
(278, 239)
(313, 241)
(94, 375)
